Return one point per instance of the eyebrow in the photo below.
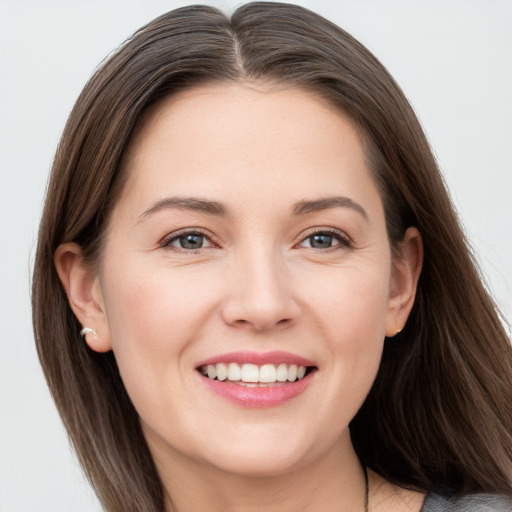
(216, 208)
(316, 205)
(195, 204)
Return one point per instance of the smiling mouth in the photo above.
(252, 375)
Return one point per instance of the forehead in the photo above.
(222, 138)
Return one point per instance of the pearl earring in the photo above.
(88, 330)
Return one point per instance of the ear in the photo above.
(84, 293)
(405, 273)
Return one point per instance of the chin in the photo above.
(260, 464)
(263, 453)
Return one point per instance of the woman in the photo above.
(251, 290)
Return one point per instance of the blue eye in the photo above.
(321, 241)
(325, 240)
(191, 241)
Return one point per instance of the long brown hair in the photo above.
(440, 412)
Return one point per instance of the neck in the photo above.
(331, 482)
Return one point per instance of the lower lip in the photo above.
(254, 397)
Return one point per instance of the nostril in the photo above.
(260, 304)
(261, 324)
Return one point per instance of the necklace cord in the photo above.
(367, 490)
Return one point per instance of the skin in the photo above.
(256, 284)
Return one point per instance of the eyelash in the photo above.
(339, 236)
(167, 241)
(343, 240)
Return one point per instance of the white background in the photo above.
(453, 59)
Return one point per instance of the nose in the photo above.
(259, 294)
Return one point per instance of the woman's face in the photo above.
(249, 241)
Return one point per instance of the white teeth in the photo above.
(222, 371)
(234, 372)
(212, 371)
(253, 374)
(250, 373)
(292, 373)
(268, 373)
(282, 373)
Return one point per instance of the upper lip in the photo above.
(258, 358)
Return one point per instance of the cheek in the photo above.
(351, 312)
(351, 302)
(155, 306)
(153, 317)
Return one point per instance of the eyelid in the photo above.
(166, 241)
(344, 240)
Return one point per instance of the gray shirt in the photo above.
(469, 503)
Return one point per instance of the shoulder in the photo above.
(468, 503)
